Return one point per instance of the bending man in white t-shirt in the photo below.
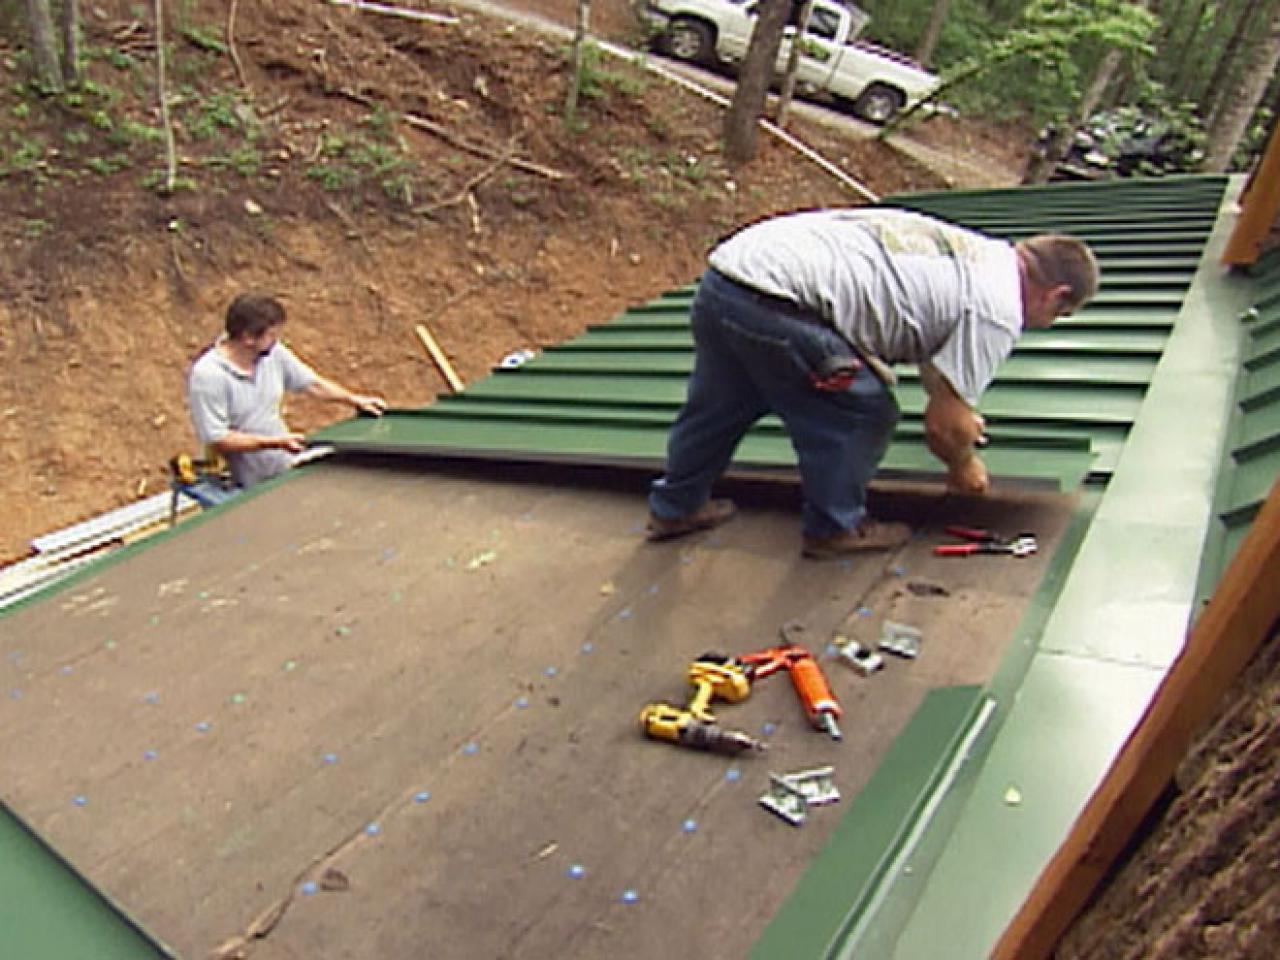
(235, 389)
(801, 315)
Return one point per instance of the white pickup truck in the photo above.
(872, 82)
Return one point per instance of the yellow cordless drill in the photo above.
(712, 676)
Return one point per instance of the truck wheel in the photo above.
(691, 40)
(878, 103)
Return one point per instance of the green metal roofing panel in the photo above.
(47, 910)
(1253, 449)
(1058, 410)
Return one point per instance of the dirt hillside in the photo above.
(494, 223)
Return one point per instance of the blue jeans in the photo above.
(754, 356)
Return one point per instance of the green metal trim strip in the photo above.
(48, 911)
(1119, 622)
(840, 882)
(1252, 461)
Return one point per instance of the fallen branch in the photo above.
(422, 123)
(382, 8)
(465, 195)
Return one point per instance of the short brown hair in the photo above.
(254, 314)
(1055, 259)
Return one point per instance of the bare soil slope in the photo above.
(502, 229)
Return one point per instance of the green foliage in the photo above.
(131, 131)
(22, 153)
(1039, 63)
(599, 76)
(346, 160)
(245, 159)
(105, 166)
(204, 38)
(217, 114)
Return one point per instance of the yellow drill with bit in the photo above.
(712, 676)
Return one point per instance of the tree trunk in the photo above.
(1215, 91)
(793, 64)
(71, 41)
(1243, 96)
(1040, 168)
(44, 45)
(1180, 84)
(929, 42)
(754, 78)
(575, 72)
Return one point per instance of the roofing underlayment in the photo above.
(387, 708)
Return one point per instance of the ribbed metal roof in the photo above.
(1253, 459)
(1059, 408)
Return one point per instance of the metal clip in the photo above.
(786, 801)
(901, 640)
(865, 661)
(818, 785)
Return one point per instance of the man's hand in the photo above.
(293, 442)
(368, 403)
(969, 476)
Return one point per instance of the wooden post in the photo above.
(440, 360)
(1259, 207)
(1239, 616)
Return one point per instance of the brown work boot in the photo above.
(868, 535)
(710, 514)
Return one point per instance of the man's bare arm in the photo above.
(235, 441)
(325, 389)
(952, 430)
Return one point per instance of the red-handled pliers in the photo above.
(984, 541)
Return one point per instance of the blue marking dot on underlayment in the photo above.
(372, 830)
(830, 650)
(151, 697)
(549, 672)
(864, 611)
(629, 897)
(521, 702)
(80, 800)
(653, 589)
(309, 888)
(204, 726)
(329, 759)
(733, 774)
(149, 754)
(471, 749)
(422, 796)
(15, 694)
(66, 670)
(576, 871)
(588, 647)
(898, 570)
(624, 613)
(689, 826)
(768, 729)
